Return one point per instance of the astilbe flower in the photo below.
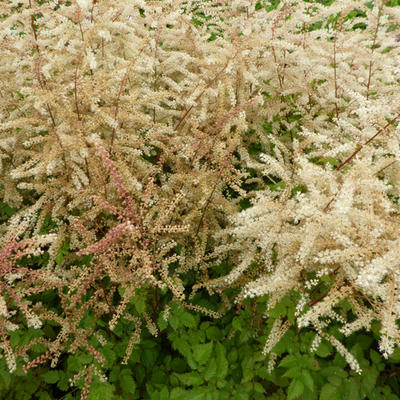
(106, 110)
(127, 252)
(334, 150)
(17, 283)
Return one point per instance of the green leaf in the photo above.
(149, 357)
(309, 395)
(187, 319)
(101, 390)
(329, 392)
(127, 383)
(236, 323)
(44, 396)
(6, 210)
(51, 376)
(62, 252)
(190, 378)
(375, 357)
(322, 160)
(241, 396)
(162, 323)
(211, 370)
(63, 383)
(335, 380)
(173, 321)
(198, 394)
(109, 354)
(59, 258)
(295, 389)
(395, 356)
(182, 346)
(258, 387)
(289, 361)
(222, 362)
(351, 390)
(307, 379)
(294, 372)
(115, 373)
(164, 394)
(140, 304)
(278, 311)
(333, 371)
(369, 378)
(213, 333)
(324, 349)
(202, 352)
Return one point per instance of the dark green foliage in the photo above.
(198, 357)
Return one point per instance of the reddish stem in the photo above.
(368, 141)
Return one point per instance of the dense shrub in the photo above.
(181, 180)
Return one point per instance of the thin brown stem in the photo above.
(80, 28)
(201, 94)
(368, 141)
(206, 205)
(76, 92)
(124, 79)
(386, 166)
(335, 75)
(372, 50)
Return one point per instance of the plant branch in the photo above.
(368, 141)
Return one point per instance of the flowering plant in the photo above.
(244, 151)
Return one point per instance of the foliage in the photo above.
(202, 358)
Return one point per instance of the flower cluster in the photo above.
(145, 141)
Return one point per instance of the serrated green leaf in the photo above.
(289, 361)
(162, 323)
(222, 362)
(187, 319)
(369, 378)
(202, 352)
(211, 370)
(51, 376)
(109, 354)
(329, 392)
(59, 258)
(351, 390)
(173, 320)
(182, 346)
(259, 388)
(307, 379)
(140, 304)
(376, 358)
(294, 372)
(164, 394)
(324, 349)
(335, 380)
(395, 356)
(62, 252)
(333, 371)
(127, 383)
(190, 378)
(198, 393)
(63, 384)
(241, 396)
(295, 389)
(100, 391)
(178, 393)
(213, 333)
(115, 373)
